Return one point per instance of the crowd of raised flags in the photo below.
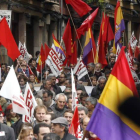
(106, 121)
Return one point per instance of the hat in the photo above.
(9, 107)
(60, 120)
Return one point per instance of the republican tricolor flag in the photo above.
(106, 121)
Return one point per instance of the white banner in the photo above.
(54, 62)
(130, 61)
(30, 104)
(133, 41)
(24, 52)
(80, 69)
(7, 15)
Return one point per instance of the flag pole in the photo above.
(90, 79)
(74, 28)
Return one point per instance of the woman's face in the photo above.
(22, 82)
(12, 113)
(30, 136)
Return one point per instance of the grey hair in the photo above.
(80, 108)
(44, 82)
(91, 64)
(101, 77)
(92, 100)
(60, 94)
(49, 77)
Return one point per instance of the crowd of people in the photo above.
(53, 114)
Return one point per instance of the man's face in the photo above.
(85, 123)
(40, 113)
(3, 68)
(48, 85)
(98, 67)
(102, 83)
(42, 132)
(33, 63)
(94, 81)
(57, 129)
(61, 102)
(46, 97)
(67, 84)
(79, 93)
(69, 103)
(90, 69)
(47, 119)
(89, 106)
(82, 114)
(83, 101)
(32, 78)
(68, 116)
(62, 78)
(53, 80)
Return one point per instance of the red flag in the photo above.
(137, 52)
(73, 129)
(79, 6)
(47, 50)
(73, 59)
(7, 40)
(89, 20)
(41, 59)
(67, 38)
(106, 35)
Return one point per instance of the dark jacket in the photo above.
(9, 132)
(58, 112)
(96, 92)
(57, 89)
(68, 136)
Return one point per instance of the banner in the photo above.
(130, 60)
(7, 15)
(80, 69)
(133, 41)
(54, 62)
(24, 52)
(30, 103)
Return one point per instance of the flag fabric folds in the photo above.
(67, 38)
(74, 93)
(30, 103)
(119, 26)
(23, 50)
(133, 41)
(47, 50)
(73, 59)
(7, 40)
(59, 49)
(54, 62)
(41, 60)
(106, 35)
(84, 26)
(80, 69)
(78, 6)
(11, 90)
(106, 121)
(89, 51)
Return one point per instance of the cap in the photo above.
(60, 120)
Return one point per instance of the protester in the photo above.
(59, 108)
(26, 132)
(96, 92)
(39, 113)
(68, 115)
(40, 130)
(51, 136)
(82, 112)
(62, 79)
(60, 127)
(48, 118)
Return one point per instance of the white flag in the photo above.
(80, 69)
(11, 90)
(74, 93)
(30, 104)
(24, 52)
(54, 62)
(133, 41)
